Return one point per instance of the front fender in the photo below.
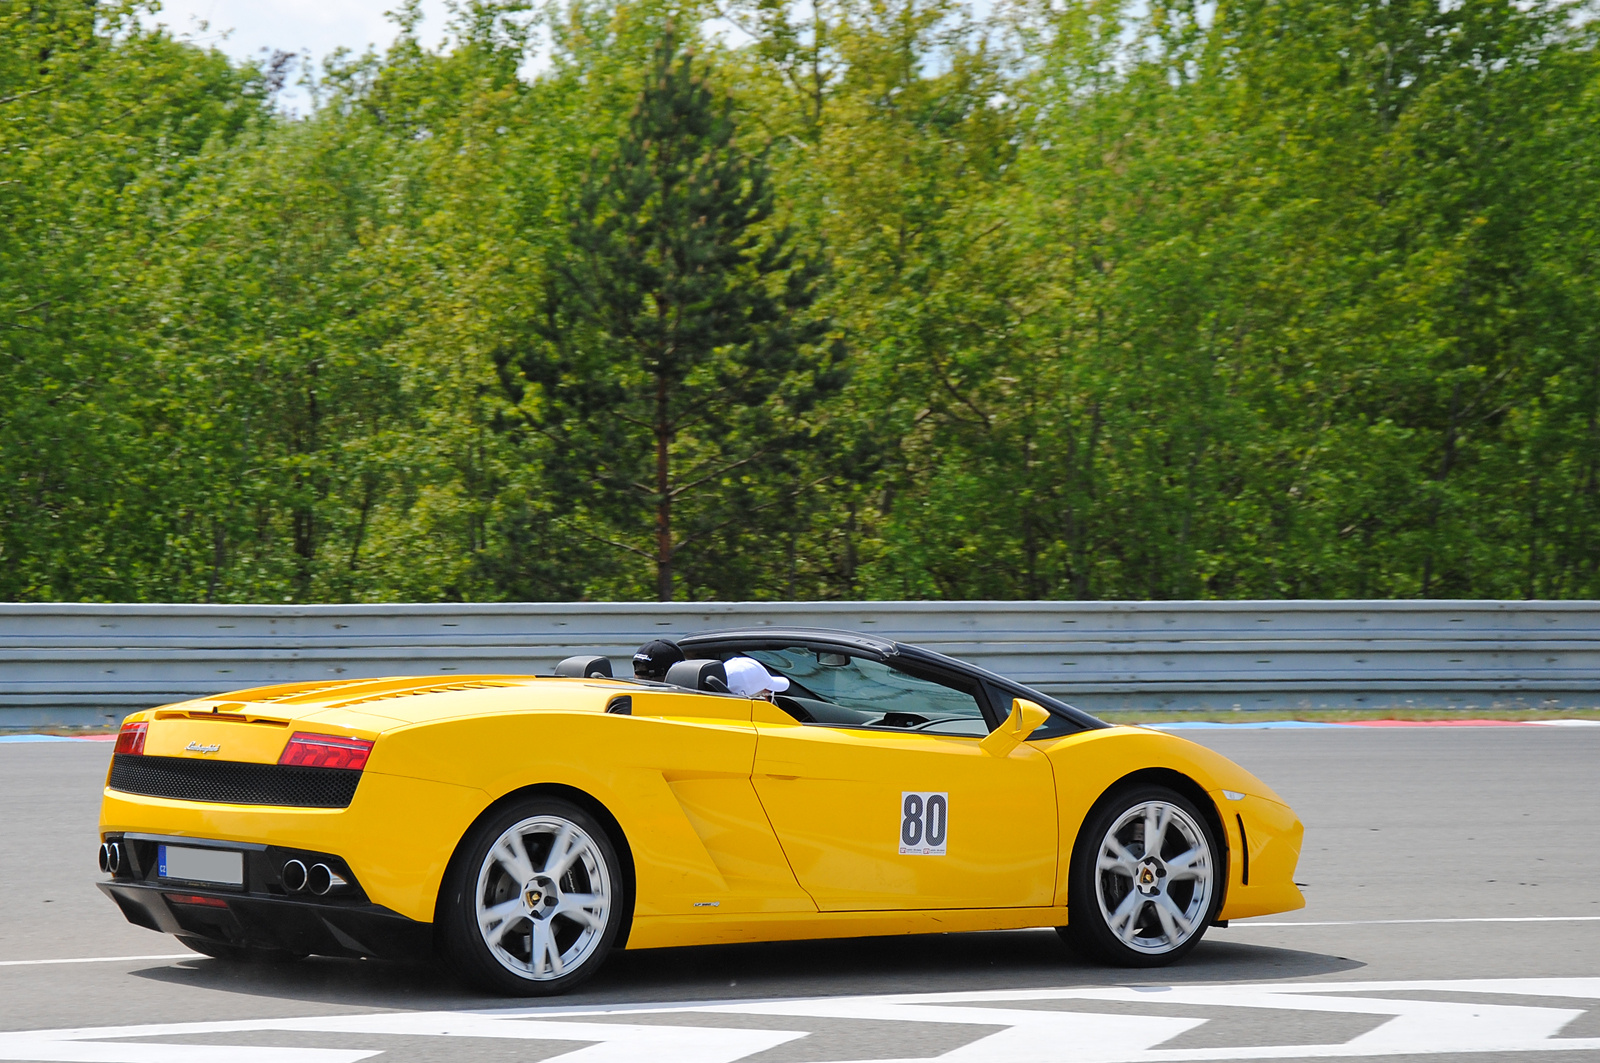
(1090, 763)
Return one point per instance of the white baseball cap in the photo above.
(748, 678)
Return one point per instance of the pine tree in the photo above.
(678, 359)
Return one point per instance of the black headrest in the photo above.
(585, 666)
(699, 675)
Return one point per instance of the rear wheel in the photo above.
(1145, 880)
(534, 902)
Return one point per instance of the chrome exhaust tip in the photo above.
(294, 876)
(323, 879)
(110, 858)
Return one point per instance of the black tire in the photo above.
(557, 914)
(1106, 921)
(239, 953)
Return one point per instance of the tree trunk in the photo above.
(1445, 465)
(663, 431)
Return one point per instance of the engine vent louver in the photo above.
(233, 782)
(430, 688)
(300, 690)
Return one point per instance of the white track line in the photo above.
(1481, 919)
(1015, 1034)
(99, 959)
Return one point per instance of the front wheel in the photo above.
(1145, 879)
(534, 902)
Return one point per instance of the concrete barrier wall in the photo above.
(74, 663)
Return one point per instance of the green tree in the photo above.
(1294, 298)
(679, 363)
(102, 126)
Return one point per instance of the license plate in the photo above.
(220, 866)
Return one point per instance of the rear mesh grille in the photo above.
(231, 782)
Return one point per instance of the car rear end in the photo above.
(251, 827)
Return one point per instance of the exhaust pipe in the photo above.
(294, 876)
(111, 858)
(323, 879)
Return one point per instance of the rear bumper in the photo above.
(299, 926)
(396, 837)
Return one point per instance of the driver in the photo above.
(749, 678)
(654, 658)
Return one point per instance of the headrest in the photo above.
(585, 666)
(699, 675)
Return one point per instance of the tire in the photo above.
(533, 901)
(1136, 908)
(239, 953)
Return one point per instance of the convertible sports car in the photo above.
(524, 826)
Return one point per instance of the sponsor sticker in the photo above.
(924, 823)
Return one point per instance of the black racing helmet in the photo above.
(654, 658)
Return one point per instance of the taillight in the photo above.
(131, 738)
(196, 899)
(326, 751)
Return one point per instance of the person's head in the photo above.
(654, 658)
(749, 678)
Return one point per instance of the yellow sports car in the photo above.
(524, 826)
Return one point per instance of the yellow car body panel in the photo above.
(1089, 763)
(738, 823)
(834, 797)
(1271, 844)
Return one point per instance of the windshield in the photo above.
(867, 685)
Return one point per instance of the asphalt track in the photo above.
(1453, 876)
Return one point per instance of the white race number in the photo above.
(924, 823)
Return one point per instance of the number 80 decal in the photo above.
(924, 823)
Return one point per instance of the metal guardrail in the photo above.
(90, 663)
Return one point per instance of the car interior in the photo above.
(841, 690)
(831, 688)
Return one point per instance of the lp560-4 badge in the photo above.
(924, 823)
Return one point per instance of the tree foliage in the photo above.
(677, 361)
(1083, 299)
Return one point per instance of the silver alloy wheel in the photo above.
(1153, 877)
(543, 898)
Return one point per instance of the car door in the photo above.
(881, 797)
(713, 851)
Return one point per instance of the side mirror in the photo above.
(1026, 717)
